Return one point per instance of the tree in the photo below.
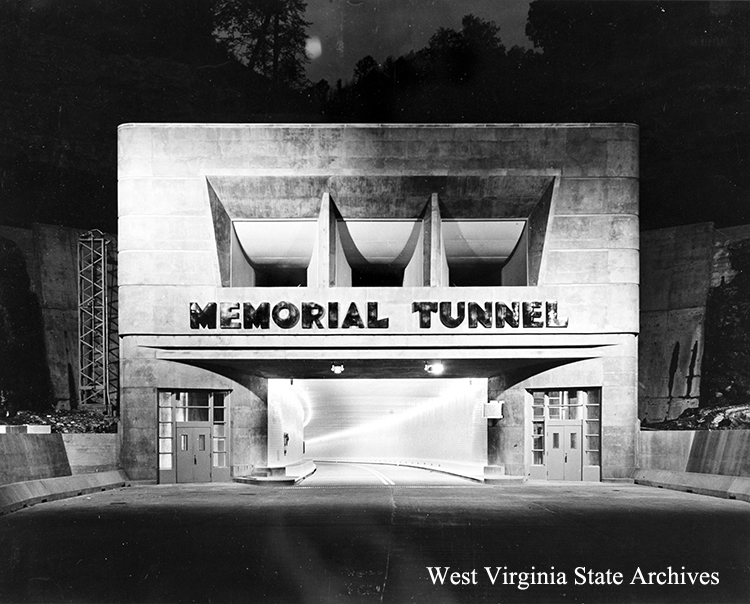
(364, 67)
(467, 53)
(267, 36)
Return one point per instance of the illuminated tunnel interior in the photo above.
(391, 420)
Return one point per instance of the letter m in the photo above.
(256, 317)
(203, 317)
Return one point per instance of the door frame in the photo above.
(538, 412)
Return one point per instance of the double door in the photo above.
(564, 450)
(193, 453)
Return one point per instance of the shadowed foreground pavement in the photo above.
(370, 542)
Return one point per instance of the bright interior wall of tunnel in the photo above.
(397, 422)
(285, 417)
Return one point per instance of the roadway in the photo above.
(352, 474)
(371, 542)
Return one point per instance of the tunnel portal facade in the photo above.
(461, 294)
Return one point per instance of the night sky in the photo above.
(349, 30)
(71, 71)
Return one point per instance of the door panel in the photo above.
(573, 453)
(555, 453)
(202, 465)
(193, 454)
(564, 452)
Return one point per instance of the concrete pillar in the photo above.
(249, 428)
(435, 266)
(505, 437)
(620, 426)
(319, 269)
(328, 265)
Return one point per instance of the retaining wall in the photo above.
(92, 453)
(708, 462)
(723, 452)
(31, 457)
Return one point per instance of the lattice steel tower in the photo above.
(97, 322)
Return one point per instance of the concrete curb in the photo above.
(18, 495)
(270, 481)
(292, 475)
(504, 480)
(714, 485)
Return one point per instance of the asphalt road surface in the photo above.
(374, 542)
(363, 474)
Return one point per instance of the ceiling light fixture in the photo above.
(434, 368)
(337, 369)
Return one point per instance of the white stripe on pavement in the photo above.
(383, 478)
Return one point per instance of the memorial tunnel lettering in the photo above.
(287, 315)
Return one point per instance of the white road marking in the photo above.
(383, 478)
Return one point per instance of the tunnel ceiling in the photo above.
(336, 405)
(395, 368)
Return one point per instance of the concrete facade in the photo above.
(207, 211)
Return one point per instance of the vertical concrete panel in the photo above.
(723, 452)
(249, 429)
(538, 228)
(506, 437)
(92, 453)
(138, 417)
(439, 272)
(664, 450)
(619, 416)
(224, 237)
(414, 271)
(56, 251)
(32, 456)
(343, 270)
(675, 278)
(515, 271)
(242, 273)
(321, 271)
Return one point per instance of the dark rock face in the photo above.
(726, 361)
(24, 376)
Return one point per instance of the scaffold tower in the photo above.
(97, 329)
